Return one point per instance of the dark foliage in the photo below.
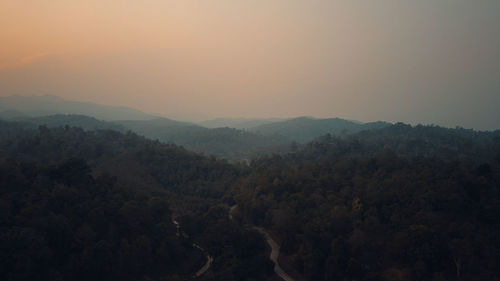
(95, 205)
(58, 222)
(396, 203)
(401, 203)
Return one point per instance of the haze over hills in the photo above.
(299, 175)
(236, 138)
(224, 142)
(428, 194)
(34, 106)
(238, 123)
(73, 120)
(303, 129)
(250, 140)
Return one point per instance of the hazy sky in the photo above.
(425, 61)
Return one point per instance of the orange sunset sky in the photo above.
(426, 61)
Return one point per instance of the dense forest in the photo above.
(398, 202)
(304, 129)
(87, 205)
(61, 223)
(229, 143)
(235, 139)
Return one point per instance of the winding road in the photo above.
(207, 265)
(210, 259)
(275, 249)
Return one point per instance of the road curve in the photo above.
(275, 253)
(275, 249)
(210, 259)
(207, 264)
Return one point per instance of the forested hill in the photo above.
(171, 165)
(404, 140)
(237, 123)
(73, 120)
(79, 205)
(305, 129)
(59, 222)
(36, 106)
(97, 205)
(397, 203)
(224, 142)
(400, 203)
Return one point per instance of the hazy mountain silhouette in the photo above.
(238, 123)
(156, 123)
(226, 142)
(73, 120)
(304, 129)
(34, 106)
(224, 137)
(10, 113)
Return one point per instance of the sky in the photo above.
(425, 61)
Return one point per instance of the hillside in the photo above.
(223, 142)
(237, 123)
(407, 202)
(406, 141)
(304, 129)
(35, 106)
(94, 205)
(72, 120)
(229, 138)
(398, 203)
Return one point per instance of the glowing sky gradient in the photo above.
(425, 61)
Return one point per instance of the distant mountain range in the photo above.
(224, 137)
(227, 142)
(304, 129)
(60, 120)
(238, 123)
(35, 106)
(223, 142)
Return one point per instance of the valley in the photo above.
(396, 200)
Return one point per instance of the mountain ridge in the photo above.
(36, 106)
(304, 128)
